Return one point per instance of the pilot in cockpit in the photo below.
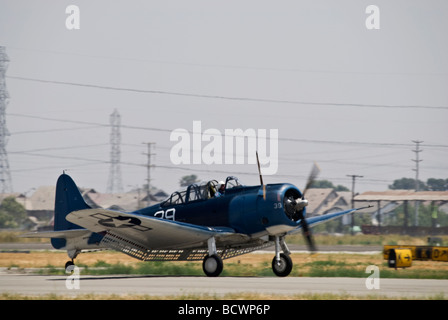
(221, 190)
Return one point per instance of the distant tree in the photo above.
(407, 184)
(341, 188)
(432, 184)
(187, 180)
(12, 213)
(437, 184)
(323, 184)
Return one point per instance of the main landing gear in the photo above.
(212, 263)
(282, 263)
(69, 263)
(72, 254)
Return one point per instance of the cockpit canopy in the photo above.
(199, 191)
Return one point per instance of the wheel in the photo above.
(283, 267)
(68, 264)
(212, 265)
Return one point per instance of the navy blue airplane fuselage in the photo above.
(241, 208)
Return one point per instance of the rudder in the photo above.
(68, 199)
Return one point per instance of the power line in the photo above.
(61, 148)
(53, 130)
(353, 143)
(342, 161)
(249, 99)
(238, 67)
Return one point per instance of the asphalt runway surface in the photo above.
(33, 285)
(30, 284)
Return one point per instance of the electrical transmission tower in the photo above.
(148, 172)
(5, 174)
(114, 183)
(417, 161)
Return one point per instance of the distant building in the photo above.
(385, 202)
(326, 200)
(40, 205)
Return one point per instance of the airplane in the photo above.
(192, 224)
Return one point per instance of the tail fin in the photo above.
(68, 199)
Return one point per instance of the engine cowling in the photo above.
(293, 204)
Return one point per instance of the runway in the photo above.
(33, 285)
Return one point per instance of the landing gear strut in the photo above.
(282, 263)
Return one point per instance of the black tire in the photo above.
(68, 264)
(212, 265)
(283, 268)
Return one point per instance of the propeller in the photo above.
(315, 170)
(261, 177)
(294, 207)
(307, 232)
(302, 203)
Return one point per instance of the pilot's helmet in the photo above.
(221, 183)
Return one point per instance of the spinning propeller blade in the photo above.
(315, 170)
(307, 233)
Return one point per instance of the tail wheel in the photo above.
(212, 265)
(283, 267)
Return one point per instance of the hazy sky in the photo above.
(350, 98)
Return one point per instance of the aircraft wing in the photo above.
(150, 232)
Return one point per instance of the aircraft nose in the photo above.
(293, 204)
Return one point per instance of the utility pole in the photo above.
(148, 171)
(353, 176)
(417, 160)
